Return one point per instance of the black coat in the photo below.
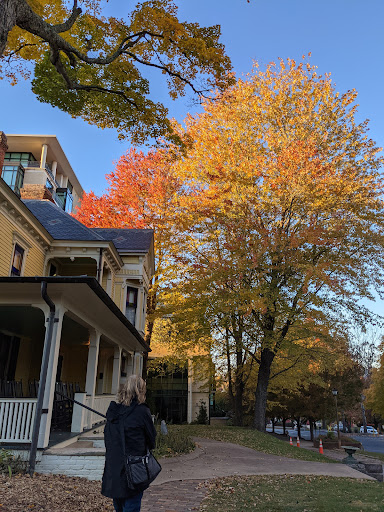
(140, 435)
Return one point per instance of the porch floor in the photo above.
(58, 437)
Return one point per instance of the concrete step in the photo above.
(83, 457)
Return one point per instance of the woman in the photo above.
(129, 416)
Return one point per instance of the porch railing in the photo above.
(11, 389)
(16, 419)
(101, 404)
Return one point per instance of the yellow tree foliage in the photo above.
(93, 66)
(283, 219)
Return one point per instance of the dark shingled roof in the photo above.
(128, 240)
(62, 226)
(59, 224)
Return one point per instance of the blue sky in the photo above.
(345, 38)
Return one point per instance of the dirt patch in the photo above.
(51, 493)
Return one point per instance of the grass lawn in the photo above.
(250, 438)
(293, 494)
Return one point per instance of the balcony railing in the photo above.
(37, 165)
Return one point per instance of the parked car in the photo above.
(370, 430)
(341, 427)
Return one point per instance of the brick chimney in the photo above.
(3, 149)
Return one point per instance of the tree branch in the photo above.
(67, 25)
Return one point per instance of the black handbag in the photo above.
(140, 470)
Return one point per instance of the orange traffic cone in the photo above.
(321, 451)
(290, 441)
(298, 441)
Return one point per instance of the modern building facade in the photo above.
(36, 167)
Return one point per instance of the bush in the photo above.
(173, 443)
(202, 416)
(11, 464)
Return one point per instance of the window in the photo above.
(131, 304)
(64, 199)
(17, 260)
(48, 185)
(13, 175)
(23, 158)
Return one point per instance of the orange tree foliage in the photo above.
(283, 218)
(139, 195)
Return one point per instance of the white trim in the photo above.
(21, 242)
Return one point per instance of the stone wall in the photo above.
(87, 466)
(30, 191)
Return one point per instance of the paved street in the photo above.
(304, 434)
(371, 443)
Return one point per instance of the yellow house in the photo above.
(72, 296)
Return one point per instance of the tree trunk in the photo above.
(266, 360)
(273, 425)
(284, 422)
(238, 399)
(363, 414)
(311, 422)
(298, 427)
(150, 310)
(8, 17)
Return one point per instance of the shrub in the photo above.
(11, 464)
(173, 443)
(202, 416)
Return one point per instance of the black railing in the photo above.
(11, 389)
(82, 405)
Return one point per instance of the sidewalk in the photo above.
(180, 486)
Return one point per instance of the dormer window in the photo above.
(131, 305)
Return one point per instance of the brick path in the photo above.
(176, 496)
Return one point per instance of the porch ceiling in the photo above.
(22, 321)
(27, 321)
(83, 298)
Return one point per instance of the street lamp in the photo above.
(334, 393)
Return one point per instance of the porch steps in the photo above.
(84, 456)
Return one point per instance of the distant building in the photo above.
(35, 167)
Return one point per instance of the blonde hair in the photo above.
(134, 387)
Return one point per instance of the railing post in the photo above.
(78, 413)
(116, 370)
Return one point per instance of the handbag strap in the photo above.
(121, 427)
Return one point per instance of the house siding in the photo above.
(34, 263)
(6, 238)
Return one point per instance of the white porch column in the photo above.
(138, 363)
(43, 158)
(129, 365)
(90, 380)
(190, 391)
(116, 370)
(49, 392)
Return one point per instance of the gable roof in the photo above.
(62, 226)
(128, 240)
(59, 224)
